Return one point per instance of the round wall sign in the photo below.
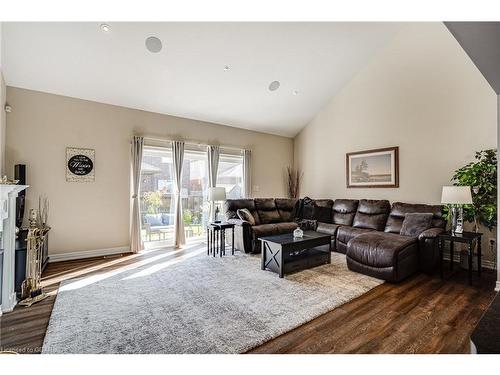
(80, 165)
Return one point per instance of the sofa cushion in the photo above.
(167, 219)
(399, 210)
(416, 223)
(316, 209)
(286, 208)
(269, 217)
(267, 210)
(344, 211)
(327, 228)
(345, 234)
(323, 210)
(371, 214)
(379, 249)
(273, 229)
(231, 207)
(244, 214)
(153, 219)
(287, 227)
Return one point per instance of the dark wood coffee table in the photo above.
(285, 254)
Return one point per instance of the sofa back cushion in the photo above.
(371, 214)
(344, 211)
(287, 208)
(231, 207)
(267, 210)
(316, 209)
(399, 210)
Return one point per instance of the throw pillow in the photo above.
(415, 223)
(153, 219)
(167, 219)
(246, 215)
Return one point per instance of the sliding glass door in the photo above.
(157, 193)
(194, 194)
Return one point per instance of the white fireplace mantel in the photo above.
(8, 195)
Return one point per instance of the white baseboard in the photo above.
(88, 254)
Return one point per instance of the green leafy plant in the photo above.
(153, 201)
(481, 176)
(188, 217)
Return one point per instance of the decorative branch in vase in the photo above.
(294, 176)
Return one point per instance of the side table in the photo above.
(466, 237)
(216, 238)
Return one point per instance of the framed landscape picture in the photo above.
(373, 168)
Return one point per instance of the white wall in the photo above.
(88, 216)
(422, 93)
(3, 123)
(2, 112)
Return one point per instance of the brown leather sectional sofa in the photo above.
(367, 231)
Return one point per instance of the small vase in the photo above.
(298, 233)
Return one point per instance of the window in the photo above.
(230, 174)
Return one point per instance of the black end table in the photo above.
(465, 237)
(216, 238)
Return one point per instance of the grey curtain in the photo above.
(213, 166)
(136, 244)
(178, 156)
(247, 174)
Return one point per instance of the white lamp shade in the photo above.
(456, 195)
(216, 194)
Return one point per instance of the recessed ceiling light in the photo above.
(226, 68)
(295, 92)
(274, 85)
(105, 27)
(153, 44)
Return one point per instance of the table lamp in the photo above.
(456, 197)
(216, 194)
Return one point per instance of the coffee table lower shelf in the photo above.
(284, 254)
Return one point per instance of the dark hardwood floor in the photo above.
(420, 315)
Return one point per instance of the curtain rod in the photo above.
(192, 143)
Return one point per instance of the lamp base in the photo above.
(457, 220)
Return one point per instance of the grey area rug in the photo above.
(194, 304)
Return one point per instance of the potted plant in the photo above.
(481, 176)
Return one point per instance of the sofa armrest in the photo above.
(327, 228)
(243, 235)
(239, 222)
(430, 233)
(428, 249)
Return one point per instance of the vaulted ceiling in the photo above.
(481, 41)
(216, 72)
